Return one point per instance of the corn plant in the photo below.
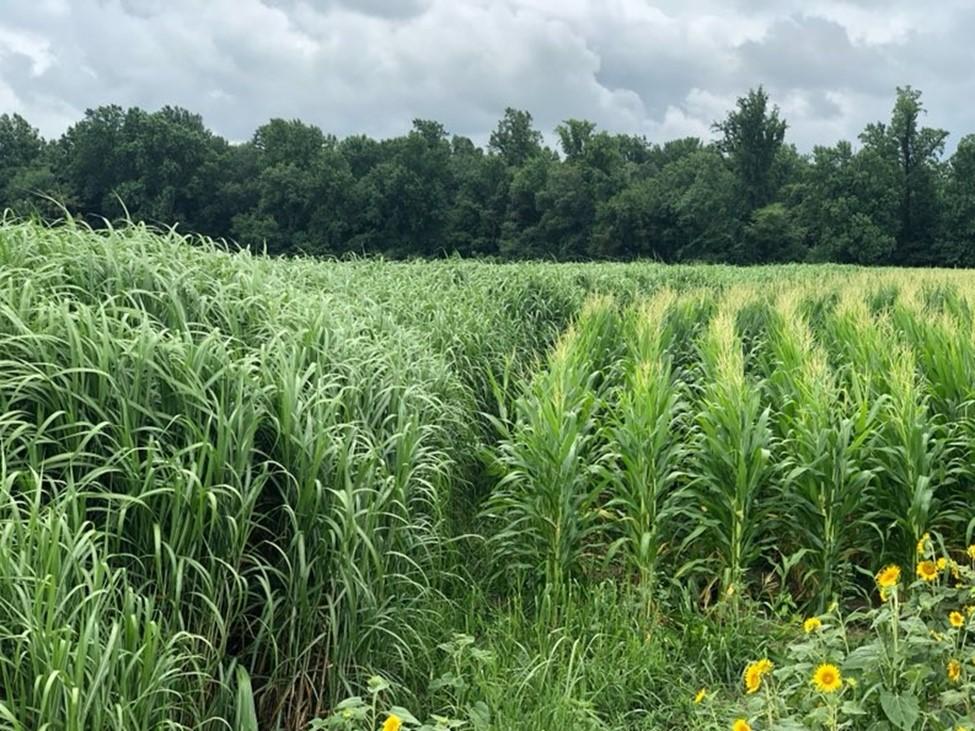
(644, 471)
(730, 455)
(825, 493)
(945, 354)
(912, 457)
(545, 505)
(858, 347)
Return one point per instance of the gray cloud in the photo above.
(659, 68)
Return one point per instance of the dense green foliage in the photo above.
(234, 486)
(748, 197)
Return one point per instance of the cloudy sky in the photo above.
(661, 68)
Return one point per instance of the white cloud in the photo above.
(27, 45)
(662, 68)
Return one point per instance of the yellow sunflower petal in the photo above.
(827, 678)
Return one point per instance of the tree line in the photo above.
(893, 197)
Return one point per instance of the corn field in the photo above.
(233, 487)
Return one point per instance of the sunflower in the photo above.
(753, 680)
(923, 543)
(927, 570)
(942, 563)
(970, 610)
(754, 674)
(811, 625)
(956, 620)
(971, 552)
(954, 671)
(827, 678)
(701, 695)
(741, 725)
(888, 576)
(392, 723)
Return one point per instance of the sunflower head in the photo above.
(956, 620)
(392, 723)
(701, 695)
(753, 681)
(811, 625)
(741, 725)
(954, 671)
(971, 552)
(888, 576)
(927, 570)
(942, 563)
(924, 542)
(754, 674)
(827, 678)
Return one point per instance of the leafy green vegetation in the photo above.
(748, 196)
(255, 493)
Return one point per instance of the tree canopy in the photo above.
(890, 197)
